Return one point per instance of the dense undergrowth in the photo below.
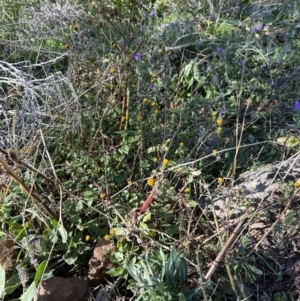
(106, 105)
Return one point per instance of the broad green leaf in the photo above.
(115, 272)
(193, 204)
(288, 141)
(2, 281)
(255, 270)
(30, 292)
(39, 272)
(147, 217)
(12, 283)
(63, 233)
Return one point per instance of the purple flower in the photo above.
(283, 22)
(242, 64)
(36, 241)
(219, 49)
(152, 13)
(297, 106)
(261, 26)
(137, 56)
(253, 29)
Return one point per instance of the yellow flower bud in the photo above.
(165, 162)
(219, 121)
(151, 182)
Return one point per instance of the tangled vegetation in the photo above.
(117, 118)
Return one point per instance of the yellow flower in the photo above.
(87, 238)
(219, 130)
(112, 70)
(155, 159)
(133, 85)
(106, 237)
(123, 118)
(214, 151)
(297, 184)
(154, 75)
(139, 117)
(112, 231)
(187, 189)
(145, 100)
(153, 80)
(160, 52)
(93, 5)
(129, 182)
(113, 45)
(181, 144)
(102, 195)
(220, 180)
(153, 103)
(151, 182)
(156, 111)
(165, 162)
(219, 121)
(214, 114)
(66, 46)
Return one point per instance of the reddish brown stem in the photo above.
(148, 201)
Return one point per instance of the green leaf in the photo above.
(115, 272)
(12, 283)
(29, 294)
(289, 141)
(237, 268)
(63, 233)
(147, 217)
(193, 204)
(255, 270)
(39, 272)
(289, 217)
(2, 281)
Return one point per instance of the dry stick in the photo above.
(225, 248)
(274, 224)
(38, 200)
(13, 157)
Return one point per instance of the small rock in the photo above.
(100, 262)
(63, 289)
